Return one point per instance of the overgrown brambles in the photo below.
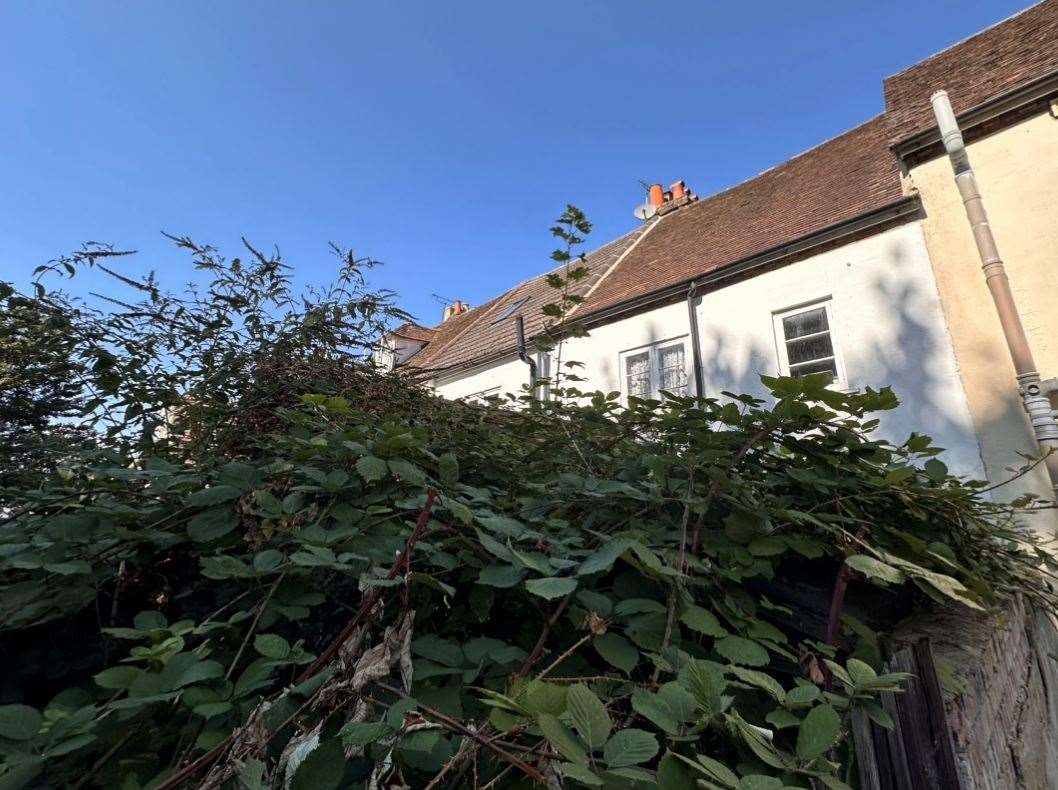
(323, 576)
(657, 662)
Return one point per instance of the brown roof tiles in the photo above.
(486, 330)
(1016, 51)
(847, 177)
(843, 178)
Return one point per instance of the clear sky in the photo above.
(439, 137)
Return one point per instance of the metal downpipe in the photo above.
(1034, 398)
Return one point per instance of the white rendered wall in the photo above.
(887, 325)
(508, 375)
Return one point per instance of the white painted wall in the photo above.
(393, 350)
(507, 375)
(887, 325)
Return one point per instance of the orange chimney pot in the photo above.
(657, 195)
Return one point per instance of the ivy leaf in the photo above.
(739, 650)
(590, 718)
(551, 587)
(629, 747)
(19, 722)
(617, 650)
(562, 738)
(371, 468)
(818, 732)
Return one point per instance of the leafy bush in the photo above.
(310, 574)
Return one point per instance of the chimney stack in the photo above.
(456, 308)
(677, 196)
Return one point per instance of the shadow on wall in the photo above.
(890, 332)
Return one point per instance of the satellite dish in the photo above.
(645, 212)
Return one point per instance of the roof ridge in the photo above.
(703, 200)
(962, 41)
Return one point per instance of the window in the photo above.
(650, 370)
(806, 342)
(511, 310)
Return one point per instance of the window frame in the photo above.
(653, 350)
(825, 303)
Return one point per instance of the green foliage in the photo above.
(593, 589)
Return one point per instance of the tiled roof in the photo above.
(1016, 51)
(841, 179)
(844, 178)
(487, 329)
(413, 331)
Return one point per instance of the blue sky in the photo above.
(440, 138)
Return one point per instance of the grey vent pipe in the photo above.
(523, 353)
(1037, 405)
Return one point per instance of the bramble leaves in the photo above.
(251, 492)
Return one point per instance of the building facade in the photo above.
(854, 258)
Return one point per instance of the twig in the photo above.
(253, 625)
(566, 654)
(458, 726)
(372, 598)
(538, 648)
(102, 760)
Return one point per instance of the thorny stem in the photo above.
(538, 648)
(458, 726)
(208, 759)
(566, 654)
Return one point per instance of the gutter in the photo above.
(1019, 98)
(906, 207)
